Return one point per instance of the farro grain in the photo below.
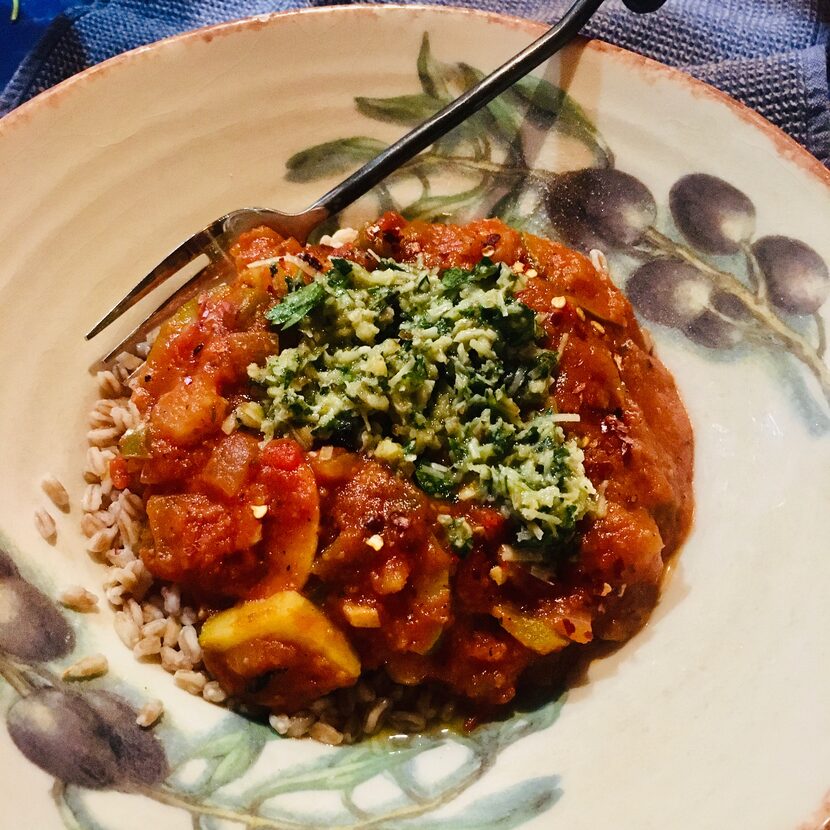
(171, 631)
(279, 723)
(102, 540)
(56, 492)
(92, 498)
(424, 704)
(104, 406)
(128, 528)
(407, 721)
(154, 628)
(136, 612)
(190, 681)
(90, 524)
(115, 595)
(326, 734)
(124, 577)
(172, 599)
(364, 692)
(147, 646)
(374, 718)
(97, 461)
(126, 628)
(108, 384)
(78, 598)
(104, 517)
(93, 666)
(299, 726)
(598, 260)
(123, 418)
(142, 576)
(189, 644)
(213, 692)
(319, 706)
(129, 362)
(151, 611)
(149, 713)
(98, 420)
(45, 525)
(173, 660)
(103, 436)
(132, 504)
(106, 485)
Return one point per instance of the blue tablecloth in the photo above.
(770, 54)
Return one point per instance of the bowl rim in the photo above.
(784, 144)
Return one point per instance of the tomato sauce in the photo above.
(231, 520)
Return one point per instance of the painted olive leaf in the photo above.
(332, 158)
(432, 73)
(227, 757)
(503, 810)
(343, 770)
(557, 110)
(408, 110)
(496, 736)
(233, 765)
(504, 118)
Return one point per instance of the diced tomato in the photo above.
(282, 454)
(202, 544)
(119, 473)
(336, 466)
(190, 411)
(261, 243)
(230, 462)
(228, 357)
(190, 531)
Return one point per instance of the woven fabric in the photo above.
(770, 54)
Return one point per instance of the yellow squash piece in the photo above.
(535, 633)
(281, 652)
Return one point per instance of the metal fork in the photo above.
(210, 244)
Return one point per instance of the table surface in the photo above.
(19, 36)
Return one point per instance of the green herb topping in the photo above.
(440, 375)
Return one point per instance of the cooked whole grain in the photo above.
(149, 713)
(45, 525)
(78, 598)
(56, 492)
(87, 667)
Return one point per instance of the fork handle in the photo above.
(438, 125)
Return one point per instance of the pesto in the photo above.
(442, 376)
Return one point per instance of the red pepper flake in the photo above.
(119, 474)
(568, 626)
(312, 260)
